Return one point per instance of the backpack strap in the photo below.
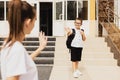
(73, 31)
(82, 30)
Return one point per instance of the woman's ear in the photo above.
(27, 23)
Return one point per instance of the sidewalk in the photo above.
(62, 69)
(94, 65)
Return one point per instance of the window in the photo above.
(81, 6)
(72, 9)
(1, 10)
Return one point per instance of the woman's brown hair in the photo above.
(18, 12)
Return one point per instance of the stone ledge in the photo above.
(114, 49)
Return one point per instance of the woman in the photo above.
(16, 64)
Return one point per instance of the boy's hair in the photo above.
(18, 12)
(79, 19)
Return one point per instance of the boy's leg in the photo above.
(75, 65)
(76, 72)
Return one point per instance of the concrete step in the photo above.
(95, 39)
(98, 55)
(44, 53)
(33, 38)
(99, 62)
(44, 60)
(95, 45)
(36, 39)
(36, 43)
(96, 50)
(33, 48)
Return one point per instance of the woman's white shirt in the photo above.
(16, 61)
(77, 41)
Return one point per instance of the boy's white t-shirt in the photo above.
(77, 40)
(16, 61)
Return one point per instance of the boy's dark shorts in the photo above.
(76, 54)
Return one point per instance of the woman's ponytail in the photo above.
(18, 12)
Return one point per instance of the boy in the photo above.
(77, 45)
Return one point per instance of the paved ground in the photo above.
(97, 62)
(44, 72)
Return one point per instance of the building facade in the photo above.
(54, 15)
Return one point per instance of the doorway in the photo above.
(46, 21)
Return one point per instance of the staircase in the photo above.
(45, 60)
(96, 49)
(46, 56)
(97, 61)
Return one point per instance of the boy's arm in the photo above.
(83, 35)
(68, 31)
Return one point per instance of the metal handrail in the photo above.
(112, 12)
(107, 12)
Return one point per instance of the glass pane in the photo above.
(71, 10)
(83, 13)
(1, 10)
(58, 10)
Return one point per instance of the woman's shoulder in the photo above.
(18, 46)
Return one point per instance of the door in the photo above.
(46, 18)
(59, 18)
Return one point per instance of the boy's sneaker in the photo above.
(75, 74)
(78, 72)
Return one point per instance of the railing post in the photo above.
(119, 23)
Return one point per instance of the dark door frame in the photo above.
(46, 18)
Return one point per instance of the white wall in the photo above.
(59, 27)
(85, 25)
(4, 28)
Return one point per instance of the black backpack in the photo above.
(69, 39)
